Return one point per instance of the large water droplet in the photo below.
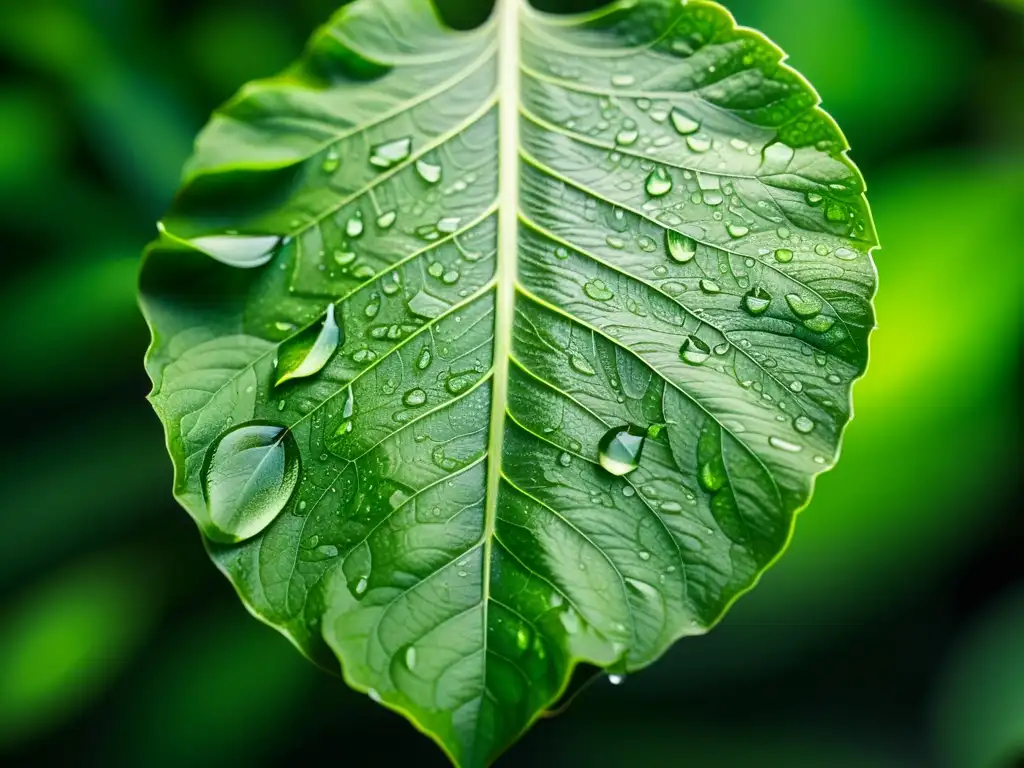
(598, 290)
(784, 445)
(683, 124)
(429, 172)
(415, 398)
(803, 425)
(249, 475)
(244, 251)
(819, 323)
(659, 182)
(694, 351)
(783, 255)
(803, 307)
(620, 448)
(680, 247)
(757, 300)
(390, 153)
(308, 352)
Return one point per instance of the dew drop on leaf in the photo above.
(597, 290)
(783, 255)
(415, 398)
(710, 286)
(683, 125)
(803, 425)
(694, 351)
(243, 251)
(680, 247)
(757, 301)
(659, 182)
(390, 153)
(249, 475)
(819, 323)
(620, 448)
(429, 172)
(803, 307)
(308, 352)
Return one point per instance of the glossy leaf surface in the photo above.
(550, 246)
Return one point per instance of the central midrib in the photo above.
(508, 207)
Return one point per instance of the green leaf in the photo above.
(602, 285)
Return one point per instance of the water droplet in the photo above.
(415, 398)
(783, 255)
(680, 247)
(565, 459)
(698, 143)
(819, 323)
(448, 225)
(710, 286)
(243, 251)
(647, 244)
(523, 637)
(834, 379)
(386, 219)
(757, 301)
(616, 679)
(424, 359)
(659, 182)
(427, 171)
(597, 290)
(561, 253)
(249, 475)
(803, 425)
(344, 258)
(390, 153)
(684, 125)
(694, 351)
(410, 658)
(803, 307)
(784, 445)
(308, 352)
(623, 80)
(737, 230)
(620, 448)
(354, 227)
(626, 137)
(814, 198)
(846, 254)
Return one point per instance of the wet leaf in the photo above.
(536, 239)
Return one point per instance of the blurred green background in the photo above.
(892, 633)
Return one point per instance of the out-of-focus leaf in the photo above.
(62, 641)
(30, 140)
(81, 314)
(222, 692)
(842, 45)
(979, 717)
(469, 320)
(132, 121)
(47, 520)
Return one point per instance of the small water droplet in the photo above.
(410, 658)
(680, 247)
(308, 352)
(783, 255)
(784, 445)
(737, 230)
(597, 290)
(710, 286)
(627, 137)
(819, 323)
(386, 219)
(415, 398)
(354, 227)
(565, 459)
(659, 182)
(803, 306)
(623, 80)
(616, 679)
(620, 448)
(390, 153)
(803, 425)
(694, 351)
(846, 254)
(683, 124)
(429, 172)
(757, 300)
(698, 143)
